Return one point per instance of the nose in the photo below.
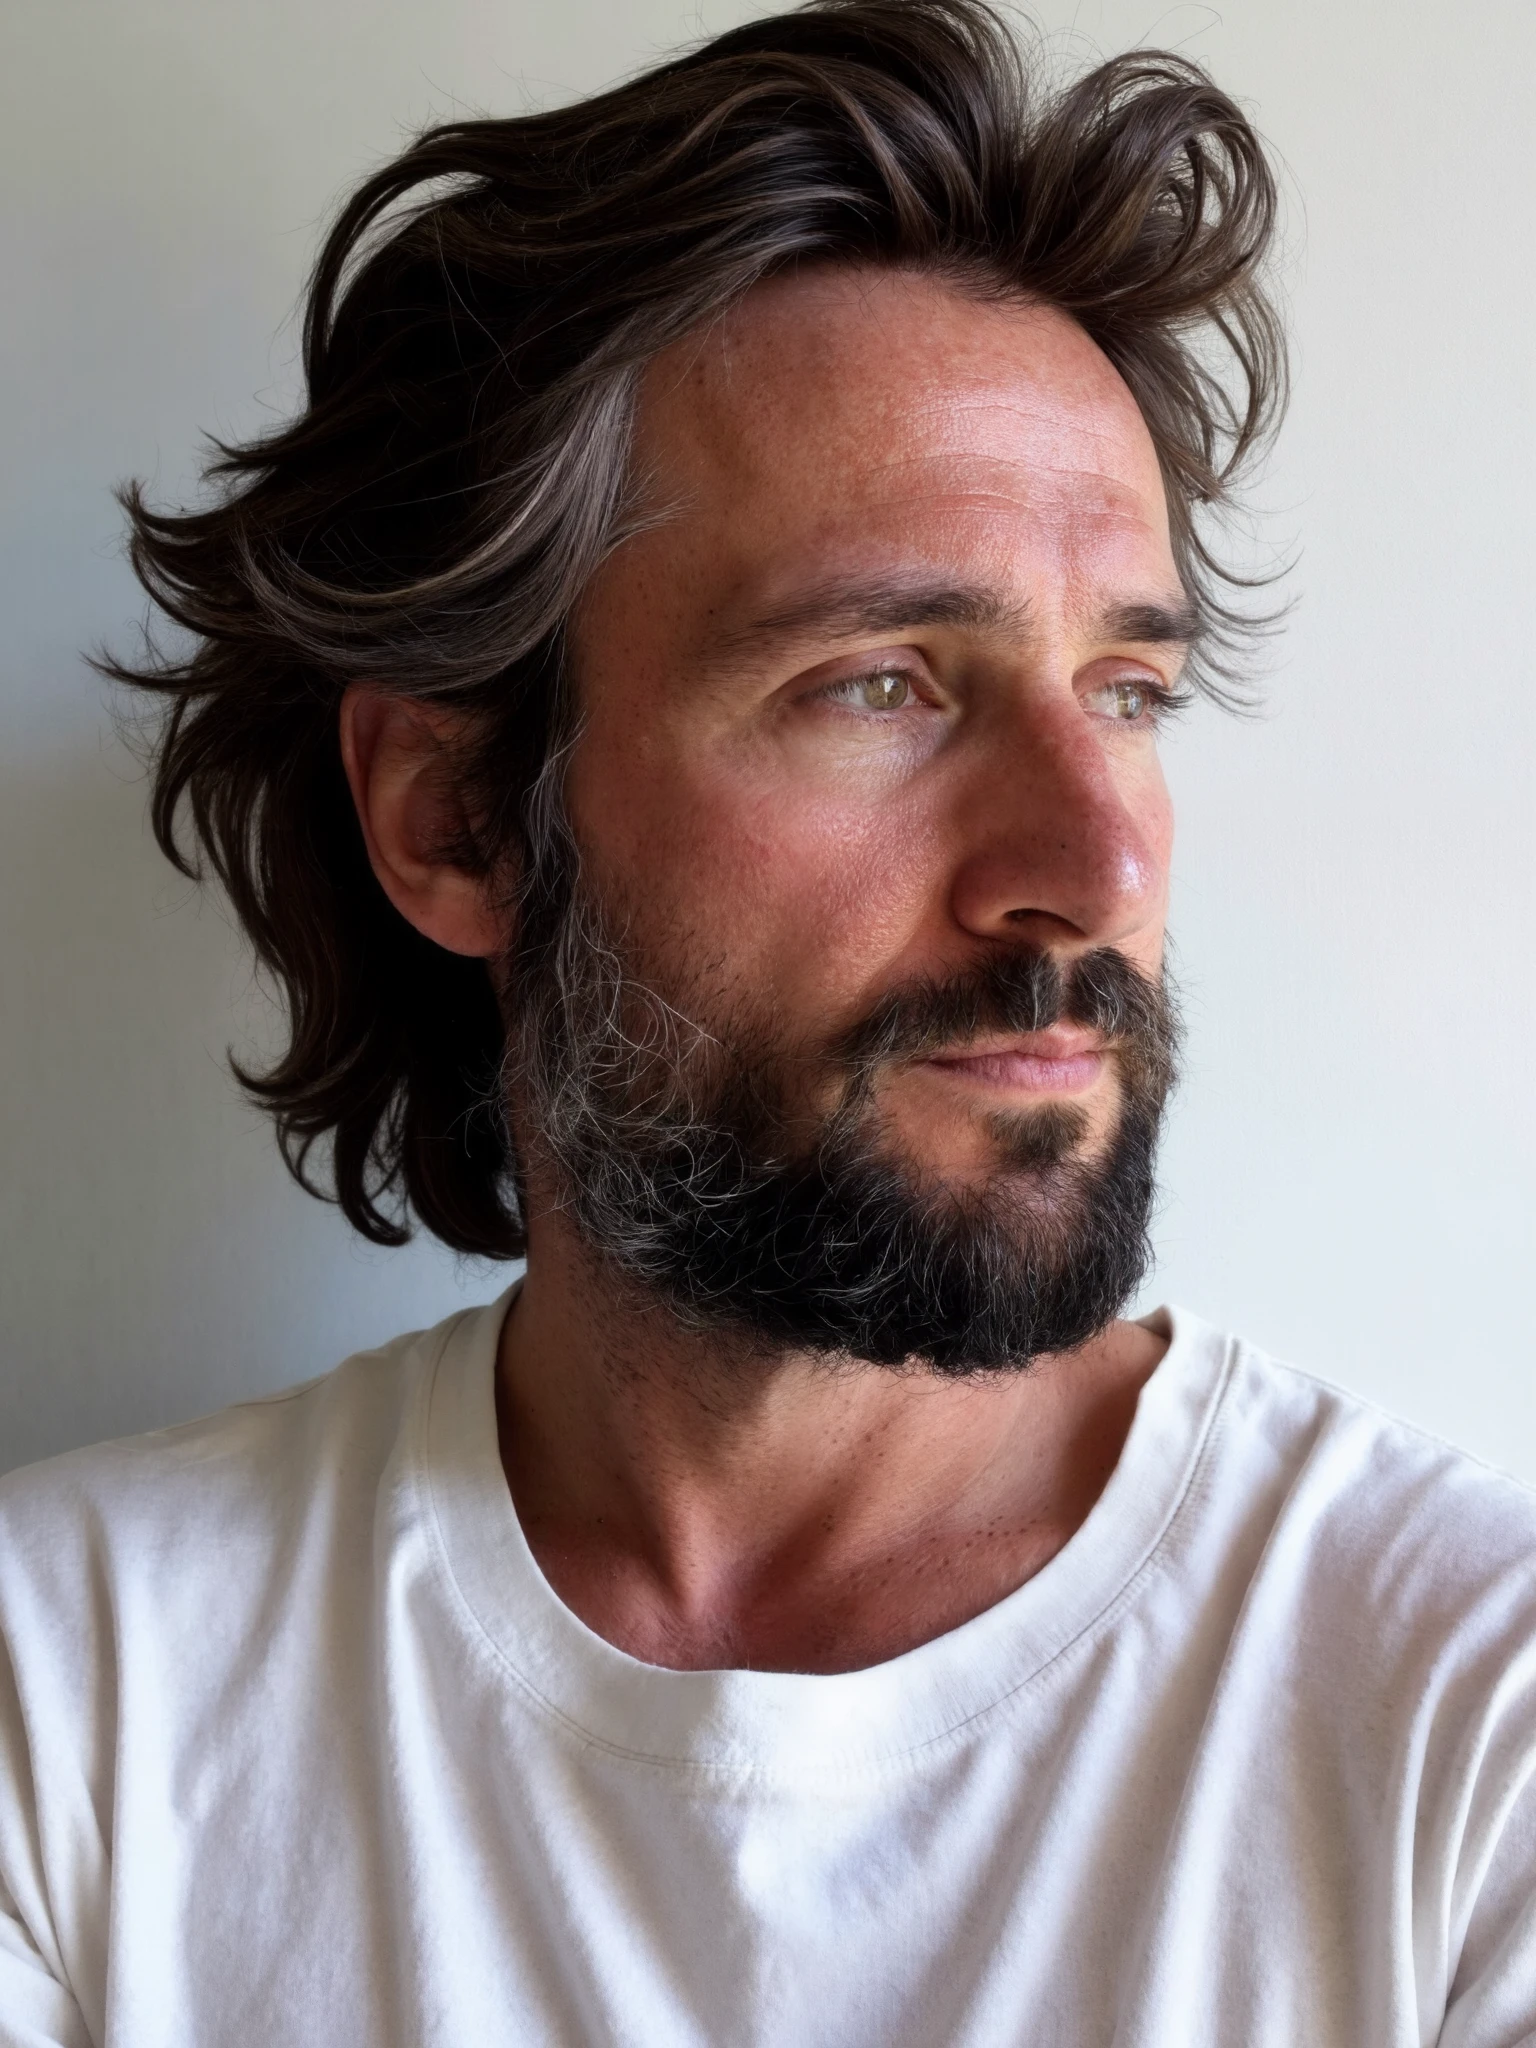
(1065, 839)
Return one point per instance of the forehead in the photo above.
(878, 415)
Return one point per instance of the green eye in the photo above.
(883, 691)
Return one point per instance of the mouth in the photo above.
(1037, 1064)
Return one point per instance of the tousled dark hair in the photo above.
(474, 333)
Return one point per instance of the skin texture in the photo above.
(867, 702)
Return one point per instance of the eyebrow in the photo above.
(850, 608)
(1166, 622)
(882, 604)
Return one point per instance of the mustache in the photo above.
(1028, 989)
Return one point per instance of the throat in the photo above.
(814, 1616)
(816, 1518)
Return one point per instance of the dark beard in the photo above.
(667, 1144)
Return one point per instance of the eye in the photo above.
(883, 689)
(1130, 700)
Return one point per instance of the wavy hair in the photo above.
(474, 332)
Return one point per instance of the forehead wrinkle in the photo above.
(1064, 427)
(1040, 477)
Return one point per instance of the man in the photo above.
(677, 714)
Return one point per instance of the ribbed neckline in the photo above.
(773, 1724)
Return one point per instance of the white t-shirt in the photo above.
(298, 1746)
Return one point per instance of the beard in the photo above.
(670, 1139)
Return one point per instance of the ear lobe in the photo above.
(395, 753)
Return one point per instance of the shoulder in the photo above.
(1385, 1580)
(1375, 1494)
(1367, 1709)
(206, 1511)
(169, 1601)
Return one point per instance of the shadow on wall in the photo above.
(158, 1262)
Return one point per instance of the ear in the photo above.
(396, 756)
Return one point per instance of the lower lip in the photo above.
(1023, 1074)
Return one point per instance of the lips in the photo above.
(1038, 1063)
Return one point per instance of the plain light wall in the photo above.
(1348, 1171)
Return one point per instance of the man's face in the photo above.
(869, 714)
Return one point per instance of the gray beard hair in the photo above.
(666, 1143)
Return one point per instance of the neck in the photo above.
(702, 1504)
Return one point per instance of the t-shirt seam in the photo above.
(1362, 1404)
(747, 1774)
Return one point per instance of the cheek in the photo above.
(804, 893)
(857, 883)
